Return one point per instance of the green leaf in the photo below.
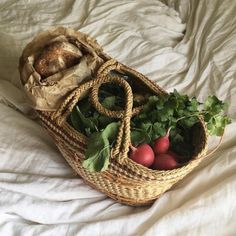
(111, 131)
(138, 137)
(150, 104)
(216, 125)
(213, 105)
(85, 107)
(165, 114)
(97, 153)
(104, 121)
(146, 129)
(146, 126)
(109, 102)
(182, 99)
(179, 112)
(171, 103)
(158, 130)
(160, 103)
(98, 150)
(74, 117)
(140, 117)
(154, 116)
(88, 131)
(192, 105)
(86, 122)
(96, 115)
(188, 122)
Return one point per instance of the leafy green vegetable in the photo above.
(111, 131)
(98, 150)
(109, 102)
(104, 121)
(158, 114)
(213, 108)
(74, 119)
(213, 105)
(181, 113)
(216, 125)
(138, 136)
(112, 95)
(86, 122)
(159, 130)
(97, 153)
(188, 122)
(87, 125)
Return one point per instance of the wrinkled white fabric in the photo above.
(184, 44)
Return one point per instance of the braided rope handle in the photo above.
(123, 136)
(103, 76)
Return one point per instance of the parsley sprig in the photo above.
(181, 113)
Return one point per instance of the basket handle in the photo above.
(123, 137)
(102, 77)
(60, 115)
(103, 72)
(121, 148)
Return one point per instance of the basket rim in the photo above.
(138, 170)
(142, 170)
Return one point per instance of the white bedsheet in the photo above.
(189, 45)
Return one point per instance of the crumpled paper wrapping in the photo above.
(47, 94)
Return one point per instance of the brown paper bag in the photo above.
(48, 93)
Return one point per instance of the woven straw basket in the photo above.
(125, 181)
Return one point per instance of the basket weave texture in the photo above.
(125, 181)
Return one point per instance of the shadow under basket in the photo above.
(124, 181)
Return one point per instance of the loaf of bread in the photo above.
(56, 57)
(56, 62)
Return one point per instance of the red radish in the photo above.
(161, 145)
(178, 158)
(173, 154)
(143, 154)
(165, 161)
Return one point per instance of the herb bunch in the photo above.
(173, 110)
(181, 114)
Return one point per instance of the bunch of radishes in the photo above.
(159, 157)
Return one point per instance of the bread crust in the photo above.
(56, 57)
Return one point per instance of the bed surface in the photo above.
(183, 44)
